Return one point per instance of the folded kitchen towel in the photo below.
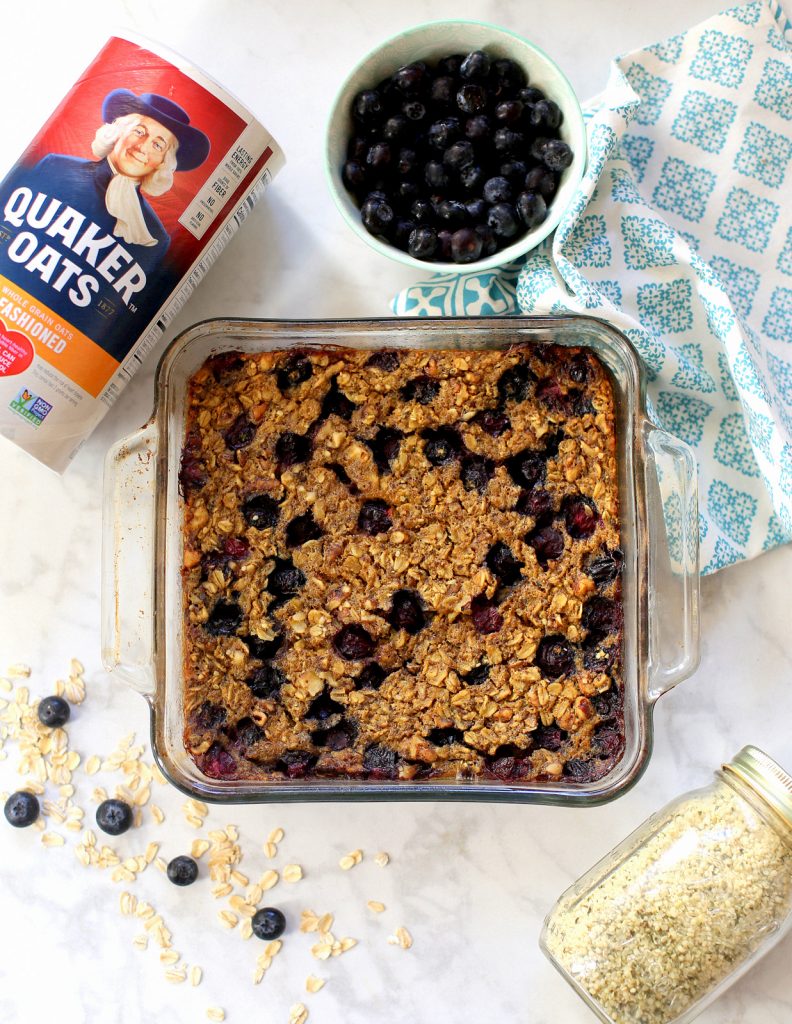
(681, 236)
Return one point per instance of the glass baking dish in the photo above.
(142, 610)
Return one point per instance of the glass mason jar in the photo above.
(686, 904)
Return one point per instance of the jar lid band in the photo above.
(769, 779)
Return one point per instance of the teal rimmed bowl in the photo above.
(430, 42)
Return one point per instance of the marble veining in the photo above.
(472, 883)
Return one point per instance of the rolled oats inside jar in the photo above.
(699, 892)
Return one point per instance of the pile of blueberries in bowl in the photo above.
(453, 160)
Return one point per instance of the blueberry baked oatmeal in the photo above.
(402, 564)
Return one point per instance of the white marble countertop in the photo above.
(470, 882)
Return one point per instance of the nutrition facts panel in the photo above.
(224, 180)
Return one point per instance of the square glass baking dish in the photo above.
(142, 610)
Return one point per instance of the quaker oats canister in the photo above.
(108, 220)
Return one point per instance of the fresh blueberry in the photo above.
(436, 175)
(471, 98)
(224, 619)
(485, 614)
(555, 656)
(509, 73)
(476, 472)
(478, 128)
(354, 642)
(422, 389)
(422, 212)
(407, 612)
(489, 243)
(411, 80)
(442, 446)
(442, 91)
(514, 171)
(531, 208)
(451, 212)
(548, 544)
(265, 682)
(459, 154)
(114, 817)
(377, 216)
(240, 433)
(540, 180)
(54, 712)
(374, 517)
(508, 112)
(367, 108)
(450, 65)
(502, 219)
(477, 210)
(508, 142)
(261, 512)
(407, 162)
(394, 128)
(545, 114)
(354, 176)
(379, 156)
(182, 870)
(414, 110)
(471, 178)
(557, 155)
(21, 809)
(529, 94)
(497, 190)
(442, 133)
(422, 243)
(385, 447)
(466, 246)
(292, 449)
(503, 565)
(475, 66)
(268, 923)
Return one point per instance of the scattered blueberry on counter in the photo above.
(54, 712)
(456, 160)
(21, 809)
(268, 923)
(182, 870)
(114, 817)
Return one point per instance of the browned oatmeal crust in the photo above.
(401, 565)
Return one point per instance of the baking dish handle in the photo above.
(128, 559)
(672, 496)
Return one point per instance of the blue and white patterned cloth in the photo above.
(681, 236)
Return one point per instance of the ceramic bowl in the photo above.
(430, 42)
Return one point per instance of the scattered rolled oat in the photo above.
(52, 839)
(376, 906)
(195, 976)
(298, 1014)
(198, 848)
(140, 942)
(313, 984)
(19, 671)
(169, 957)
(228, 919)
(93, 764)
(351, 860)
(401, 938)
(292, 873)
(381, 859)
(215, 1013)
(128, 903)
(276, 835)
(157, 814)
(176, 975)
(268, 879)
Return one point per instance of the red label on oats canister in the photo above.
(108, 220)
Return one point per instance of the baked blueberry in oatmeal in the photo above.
(403, 566)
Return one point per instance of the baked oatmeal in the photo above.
(402, 564)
